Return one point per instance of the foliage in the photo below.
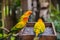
(16, 3)
(57, 25)
(55, 17)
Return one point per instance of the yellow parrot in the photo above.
(19, 25)
(39, 28)
(26, 14)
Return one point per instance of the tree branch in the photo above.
(4, 29)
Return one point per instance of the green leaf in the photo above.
(12, 38)
(1, 35)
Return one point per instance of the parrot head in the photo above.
(25, 19)
(28, 13)
(40, 20)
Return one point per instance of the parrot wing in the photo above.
(18, 26)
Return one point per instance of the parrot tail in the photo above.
(36, 38)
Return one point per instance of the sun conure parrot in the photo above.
(39, 28)
(19, 25)
(26, 14)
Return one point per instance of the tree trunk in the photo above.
(38, 10)
(44, 8)
(8, 21)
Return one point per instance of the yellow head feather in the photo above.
(28, 13)
(40, 20)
